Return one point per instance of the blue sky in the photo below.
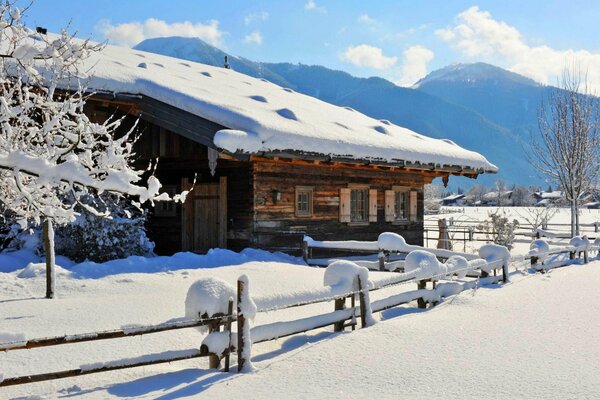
(400, 40)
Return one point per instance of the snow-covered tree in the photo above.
(568, 151)
(433, 195)
(52, 157)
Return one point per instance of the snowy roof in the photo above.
(264, 117)
(557, 194)
(453, 197)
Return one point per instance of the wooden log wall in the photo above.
(277, 227)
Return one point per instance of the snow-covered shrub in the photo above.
(102, 239)
(494, 252)
(499, 229)
(422, 264)
(540, 249)
(391, 241)
(581, 243)
(208, 296)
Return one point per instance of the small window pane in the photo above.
(400, 206)
(359, 205)
(303, 202)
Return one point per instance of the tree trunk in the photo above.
(573, 213)
(577, 217)
(48, 233)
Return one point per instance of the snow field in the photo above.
(534, 334)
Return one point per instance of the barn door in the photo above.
(204, 224)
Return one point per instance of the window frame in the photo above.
(365, 189)
(406, 190)
(309, 190)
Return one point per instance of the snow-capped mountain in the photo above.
(478, 106)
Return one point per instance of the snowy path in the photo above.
(535, 338)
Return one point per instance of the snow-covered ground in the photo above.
(534, 338)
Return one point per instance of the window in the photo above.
(359, 205)
(400, 205)
(166, 208)
(304, 201)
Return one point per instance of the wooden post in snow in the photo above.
(339, 304)
(213, 326)
(241, 323)
(48, 234)
(420, 301)
(305, 251)
(228, 330)
(444, 236)
(362, 287)
(381, 257)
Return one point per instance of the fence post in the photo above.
(420, 301)
(228, 329)
(471, 232)
(585, 256)
(305, 251)
(339, 304)
(362, 286)
(213, 359)
(243, 330)
(596, 226)
(505, 272)
(381, 257)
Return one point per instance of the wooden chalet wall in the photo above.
(276, 226)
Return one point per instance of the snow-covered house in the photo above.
(271, 165)
(454, 200)
(546, 199)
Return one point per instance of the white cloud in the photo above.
(131, 33)
(414, 64)
(255, 38)
(311, 5)
(365, 19)
(476, 34)
(261, 16)
(368, 56)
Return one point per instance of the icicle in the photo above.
(213, 155)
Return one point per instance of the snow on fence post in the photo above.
(305, 250)
(366, 315)
(492, 253)
(381, 257)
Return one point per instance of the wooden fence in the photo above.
(341, 318)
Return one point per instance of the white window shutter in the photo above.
(345, 205)
(390, 206)
(372, 205)
(412, 203)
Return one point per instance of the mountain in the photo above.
(478, 106)
(503, 97)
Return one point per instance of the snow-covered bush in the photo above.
(102, 239)
(539, 248)
(208, 296)
(499, 229)
(492, 253)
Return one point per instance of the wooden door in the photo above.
(204, 224)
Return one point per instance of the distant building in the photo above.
(454, 200)
(546, 199)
